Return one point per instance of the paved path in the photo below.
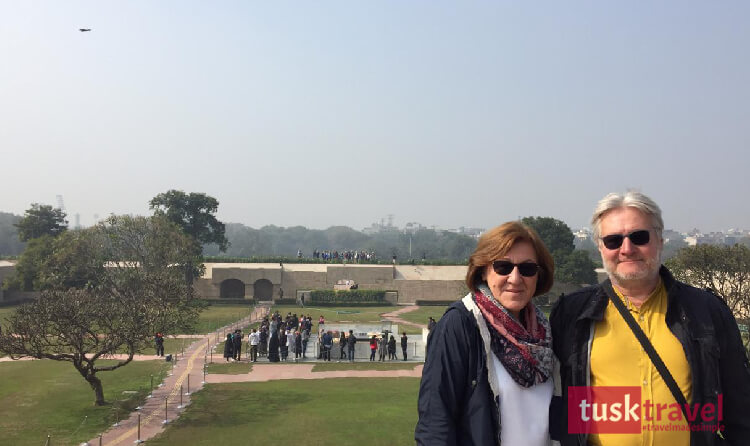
(172, 395)
(393, 316)
(269, 372)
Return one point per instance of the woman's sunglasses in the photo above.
(639, 238)
(504, 268)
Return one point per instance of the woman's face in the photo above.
(513, 291)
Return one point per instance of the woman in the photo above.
(491, 361)
(373, 347)
(228, 348)
(342, 346)
(392, 348)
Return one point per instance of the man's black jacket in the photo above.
(701, 322)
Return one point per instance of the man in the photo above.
(692, 331)
(254, 339)
(327, 345)
(237, 344)
(159, 340)
(351, 342)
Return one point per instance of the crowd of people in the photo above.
(278, 338)
(348, 255)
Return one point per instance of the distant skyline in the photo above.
(319, 114)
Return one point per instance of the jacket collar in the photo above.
(598, 303)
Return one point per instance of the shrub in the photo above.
(348, 297)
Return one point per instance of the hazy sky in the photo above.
(341, 112)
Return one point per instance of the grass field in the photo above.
(422, 315)
(215, 316)
(345, 411)
(334, 366)
(38, 398)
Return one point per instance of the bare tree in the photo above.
(108, 290)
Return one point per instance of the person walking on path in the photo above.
(159, 341)
(237, 345)
(404, 340)
(373, 347)
(254, 340)
(350, 343)
(228, 348)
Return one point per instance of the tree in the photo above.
(723, 269)
(107, 290)
(29, 265)
(571, 266)
(194, 214)
(39, 220)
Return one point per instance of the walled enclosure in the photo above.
(407, 283)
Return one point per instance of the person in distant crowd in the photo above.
(254, 340)
(693, 333)
(297, 346)
(305, 340)
(488, 376)
(382, 347)
(320, 343)
(431, 324)
(283, 345)
(263, 341)
(351, 341)
(373, 347)
(159, 341)
(327, 345)
(281, 294)
(228, 348)
(237, 344)
(290, 341)
(342, 346)
(404, 340)
(392, 348)
(321, 321)
(302, 300)
(273, 346)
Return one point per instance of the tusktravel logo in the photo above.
(620, 410)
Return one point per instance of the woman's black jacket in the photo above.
(456, 405)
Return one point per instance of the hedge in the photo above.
(347, 297)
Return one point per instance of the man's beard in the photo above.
(650, 269)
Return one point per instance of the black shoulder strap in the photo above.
(649, 348)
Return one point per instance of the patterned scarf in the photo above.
(524, 350)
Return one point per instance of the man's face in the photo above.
(630, 262)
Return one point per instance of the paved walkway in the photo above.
(393, 316)
(168, 400)
(269, 372)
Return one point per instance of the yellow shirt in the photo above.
(617, 359)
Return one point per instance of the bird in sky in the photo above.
(84, 30)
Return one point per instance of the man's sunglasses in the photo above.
(504, 268)
(639, 238)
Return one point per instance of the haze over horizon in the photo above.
(341, 113)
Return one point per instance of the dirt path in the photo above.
(393, 316)
(270, 372)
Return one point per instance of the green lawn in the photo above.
(215, 316)
(335, 366)
(377, 411)
(421, 315)
(6, 311)
(230, 368)
(38, 398)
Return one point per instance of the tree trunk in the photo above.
(96, 385)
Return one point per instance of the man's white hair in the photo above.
(632, 199)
